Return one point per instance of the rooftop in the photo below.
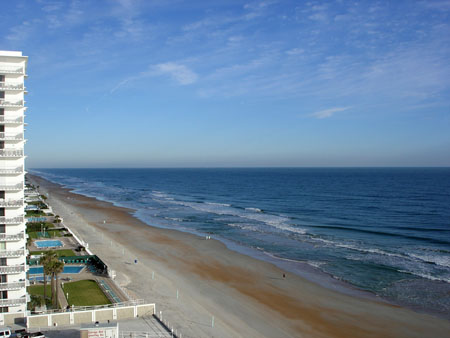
(10, 53)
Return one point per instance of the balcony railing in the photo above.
(11, 220)
(12, 253)
(10, 203)
(11, 69)
(13, 137)
(4, 103)
(15, 237)
(16, 170)
(18, 186)
(11, 120)
(12, 269)
(11, 86)
(12, 286)
(13, 302)
(11, 152)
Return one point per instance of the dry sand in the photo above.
(247, 297)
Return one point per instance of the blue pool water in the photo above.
(48, 243)
(39, 270)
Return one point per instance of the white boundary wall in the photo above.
(89, 316)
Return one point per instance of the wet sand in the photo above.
(247, 297)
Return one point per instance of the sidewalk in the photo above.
(61, 296)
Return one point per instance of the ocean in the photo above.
(381, 230)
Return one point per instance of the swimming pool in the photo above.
(48, 243)
(39, 270)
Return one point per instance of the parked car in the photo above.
(5, 332)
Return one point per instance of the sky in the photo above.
(225, 83)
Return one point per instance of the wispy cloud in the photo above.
(322, 114)
(441, 5)
(180, 73)
(20, 33)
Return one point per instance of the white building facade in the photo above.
(13, 252)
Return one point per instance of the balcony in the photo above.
(4, 103)
(11, 137)
(11, 152)
(13, 302)
(8, 171)
(11, 220)
(12, 286)
(12, 253)
(11, 120)
(11, 86)
(11, 69)
(11, 204)
(15, 187)
(12, 269)
(11, 238)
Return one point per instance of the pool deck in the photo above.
(84, 275)
(67, 243)
(37, 243)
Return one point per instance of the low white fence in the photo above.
(97, 314)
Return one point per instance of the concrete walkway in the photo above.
(61, 296)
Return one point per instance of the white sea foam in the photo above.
(427, 276)
(244, 226)
(438, 260)
(176, 219)
(357, 248)
(278, 222)
(316, 264)
(159, 194)
(218, 204)
(253, 209)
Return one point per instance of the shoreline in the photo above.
(249, 296)
(300, 268)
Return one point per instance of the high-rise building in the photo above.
(13, 294)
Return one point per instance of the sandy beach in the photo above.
(243, 296)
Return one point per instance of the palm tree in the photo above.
(46, 262)
(57, 268)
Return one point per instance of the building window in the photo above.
(3, 309)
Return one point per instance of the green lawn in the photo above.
(85, 293)
(54, 233)
(38, 290)
(51, 233)
(34, 213)
(60, 253)
(39, 226)
(33, 234)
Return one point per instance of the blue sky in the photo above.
(234, 83)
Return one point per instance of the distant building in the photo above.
(13, 294)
